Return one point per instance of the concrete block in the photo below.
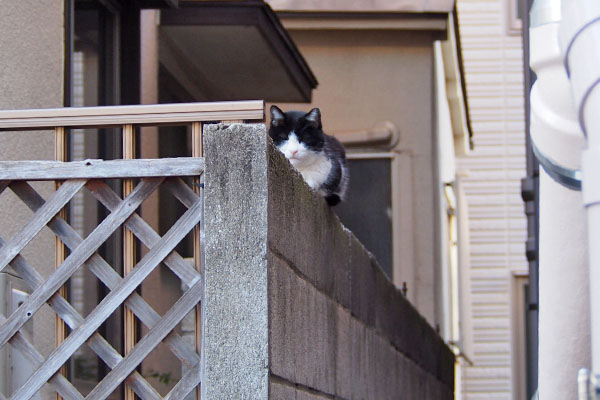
(389, 305)
(300, 222)
(302, 329)
(360, 360)
(344, 367)
(384, 367)
(342, 273)
(303, 395)
(362, 283)
(278, 391)
(402, 375)
(235, 303)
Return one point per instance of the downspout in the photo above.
(530, 188)
(563, 276)
(580, 42)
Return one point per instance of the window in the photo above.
(514, 20)
(369, 212)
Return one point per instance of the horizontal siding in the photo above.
(494, 77)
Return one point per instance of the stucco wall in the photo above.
(294, 307)
(31, 76)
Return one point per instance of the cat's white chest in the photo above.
(314, 171)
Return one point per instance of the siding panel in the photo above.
(494, 69)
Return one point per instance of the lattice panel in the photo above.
(122, 290)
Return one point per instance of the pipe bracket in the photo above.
(567, 177)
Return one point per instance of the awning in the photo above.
(232, 50)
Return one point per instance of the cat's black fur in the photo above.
(320, 158)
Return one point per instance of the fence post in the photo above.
(235, 330)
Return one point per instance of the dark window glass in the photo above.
(367, 211)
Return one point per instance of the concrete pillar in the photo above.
(563, 278)
(235, 326)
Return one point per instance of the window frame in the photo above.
(514, 24)
(403, 274)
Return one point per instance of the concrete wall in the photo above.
(294, 306)
(31, 76)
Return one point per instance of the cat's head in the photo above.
(297, 134)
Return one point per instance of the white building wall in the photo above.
(494, 71)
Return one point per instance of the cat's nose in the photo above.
(294, 152)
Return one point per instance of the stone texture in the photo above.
(302, 330)
(235, 319)
(279, 391)
(302, 226)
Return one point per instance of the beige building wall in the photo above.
(31, 76)
(494, 69)
(370, 76)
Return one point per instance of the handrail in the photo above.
(152, 114)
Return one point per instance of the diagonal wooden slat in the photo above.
(182, 192)
(76, 258)
(56, 202)
(60, 383)
(188, 382)
(105, 273)
(179, 310)
(114, 299)
(146, 234)
(24, 270)
(97, 343)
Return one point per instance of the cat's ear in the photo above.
(314, 117)
(277, 116)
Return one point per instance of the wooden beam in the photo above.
(60, 154)
(100, 169)
(154, 114)
(197, 151)
(129, 254)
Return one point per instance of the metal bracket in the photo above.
(569, 178)
(588, 387)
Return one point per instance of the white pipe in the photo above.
(563, 276)
(580, 42)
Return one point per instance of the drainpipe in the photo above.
(580, 42)
(563, 276)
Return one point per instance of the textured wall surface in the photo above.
(31, 76)
(300, 289)
(494, 77)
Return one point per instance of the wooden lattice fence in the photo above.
(91, 176)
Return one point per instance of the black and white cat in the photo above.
(320, 158)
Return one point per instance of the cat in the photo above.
(320, 158)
